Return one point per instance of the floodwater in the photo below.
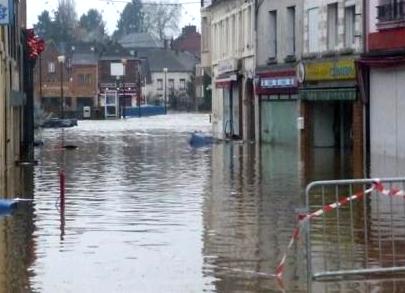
(144, 212)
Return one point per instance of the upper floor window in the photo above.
(171, 84)
(332, 26)
(159, 84)
(273, 34)
(51, 67)
(182, 84)
(350, 21)
(84, 79)
(291, 31)
(204, 33)
(313, 29)
(389, 10)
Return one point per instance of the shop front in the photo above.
(228, 91)
(331, 110)
(277, 92)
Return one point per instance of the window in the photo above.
(332, 26)
(233, 42)
(241, 32)
(51, 67)
(204, 32)
(227, 37)
(273, 34)
(160, 84)
(350, 20)
(291, 31)
(84, 79)
(182, 84)
(313, 30)
(248, 28)
(171, 84)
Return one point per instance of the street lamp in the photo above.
(124, 96)
(165, 71)
(61, 60)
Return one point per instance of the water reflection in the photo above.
(17, 248)
(249, 216)
(146, 213)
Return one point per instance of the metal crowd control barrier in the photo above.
(361, 237)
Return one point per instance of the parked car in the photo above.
(59, 123)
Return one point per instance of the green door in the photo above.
(279, 122)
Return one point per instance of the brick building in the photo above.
(189, 40)
(79, 78)
(119, 80)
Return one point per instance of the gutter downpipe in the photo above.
(365, 106)
(258, 117)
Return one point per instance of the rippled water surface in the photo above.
(145, 212)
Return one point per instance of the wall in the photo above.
(11, 110)
(263, 24)
(232, 36)
(152, 89)
(322, 24)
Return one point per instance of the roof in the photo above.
(177, 61)
(140, 40)
(84, 59)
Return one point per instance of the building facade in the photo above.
(279, 49)
(52, 76)
(383, 76)
(189, 41)
(171, 75)
(78, 79)
(331, 109)
(13, 98)
(119, 81)
(228, 54)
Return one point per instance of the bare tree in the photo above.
(161, 19)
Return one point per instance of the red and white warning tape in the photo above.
(377, 186)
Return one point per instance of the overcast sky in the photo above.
(111, 10)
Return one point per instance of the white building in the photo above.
(228, 51)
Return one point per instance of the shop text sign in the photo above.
(277, 82)
(228, 65)
(5, 11)
(334, 70)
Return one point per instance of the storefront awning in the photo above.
(226, 81)
(335, 94)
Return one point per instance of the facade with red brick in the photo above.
(189, 41)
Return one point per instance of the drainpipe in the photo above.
(365, 106)
(257, 102)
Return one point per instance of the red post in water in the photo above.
(62, 187)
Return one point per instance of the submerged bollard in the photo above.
(62, 187)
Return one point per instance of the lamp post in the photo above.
(165, 71)
(124, 96)
(61, 60)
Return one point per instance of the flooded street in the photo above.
(145, 212)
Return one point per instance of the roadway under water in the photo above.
(144, 212)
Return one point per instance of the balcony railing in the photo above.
(391, 12)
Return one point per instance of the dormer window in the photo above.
(51, 67)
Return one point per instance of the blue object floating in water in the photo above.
(7, 205)
(200, 139)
